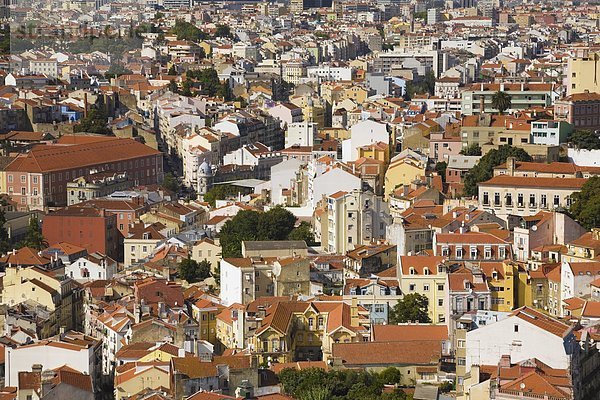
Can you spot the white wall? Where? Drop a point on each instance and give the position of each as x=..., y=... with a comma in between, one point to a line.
x=585, y=158
x=333, y=181
x=231, y=284
x=50, y=357
x=486, y=345
x=281, y=176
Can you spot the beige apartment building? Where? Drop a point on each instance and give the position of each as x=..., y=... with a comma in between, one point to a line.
x=506, y=195
x=581, y=73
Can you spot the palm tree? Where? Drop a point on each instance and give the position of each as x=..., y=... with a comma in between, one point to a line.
x=501, y=101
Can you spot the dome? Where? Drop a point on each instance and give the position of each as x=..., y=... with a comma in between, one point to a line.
x=205, y=169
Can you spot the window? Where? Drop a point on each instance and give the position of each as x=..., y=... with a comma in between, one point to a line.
x=516, y=328
x=501, y=252
x=441, y=318
x=412, y=287
x=556, y=200
x=10, y=179
x=320, y=322
x=426, y=287
x=543, y=201
x=35, y=179
x=311, y=322
x=22, y=191
x=461, y=344
x=487, y=253
x=412, y=271
x=440, y=287
x=473, y=252
x=23, y=178
x=520, y=200
x=440, y=302
x=426, y=271
x=486, y=198
x=459, y=252
x=496, y=199
x=461, y=361
x=532, y=200
x=509, y=199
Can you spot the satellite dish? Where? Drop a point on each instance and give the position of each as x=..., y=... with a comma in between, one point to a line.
x=534, y=228
x=522, y=386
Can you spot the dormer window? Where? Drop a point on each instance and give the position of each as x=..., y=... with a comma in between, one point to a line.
x=468, y=285
x=426, y=271
x=459, y=252
x=412, y=271
x=473, y=252
x=487, y=252
x=495, y=275
x=445, y=251
x=502, y=252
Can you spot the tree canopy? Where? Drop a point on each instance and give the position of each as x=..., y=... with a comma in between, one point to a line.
x=303, y=232
x=170, y=182
x=412, y=307
x=585, y=140
x=471, y=150
x=440, y=168
x=275, y=224
x=194, y=271
x=349, y=384
x=585, y=206
x=4, y=239
x=187, y=31
x=484, y=170
x=34, y=238
x=219, y=192
x=95, y=122
x=501, y=101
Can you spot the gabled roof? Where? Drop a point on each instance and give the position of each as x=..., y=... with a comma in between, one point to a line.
x=542, y=321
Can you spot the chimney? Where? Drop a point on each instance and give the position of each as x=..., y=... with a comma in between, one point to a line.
x=354, y=313
x=510, y=166
x=504, y=361
x=85, y=104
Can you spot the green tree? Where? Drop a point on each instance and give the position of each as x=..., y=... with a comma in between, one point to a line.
x=348, y=384
x=413, y=307
x=223, y=31
x=275, y=224
x=173, y=86
x=585, y=205
x=170, y=182
x=484, y=170
x=4, y=239
x=34, y=238
x=187, y=31
x=172, y=70
x=390, y=376
x=194, y=271
x=440, y=168
x=219, y=192
x=585, y=140
x=471, y=150
x=239, y=228
x=303, y=232
x=501, y=101
x=96, y=121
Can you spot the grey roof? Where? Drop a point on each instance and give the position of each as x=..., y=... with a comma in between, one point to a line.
x=425, y=392
x=247, y=183
x=274, y=244
x=463, y=162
